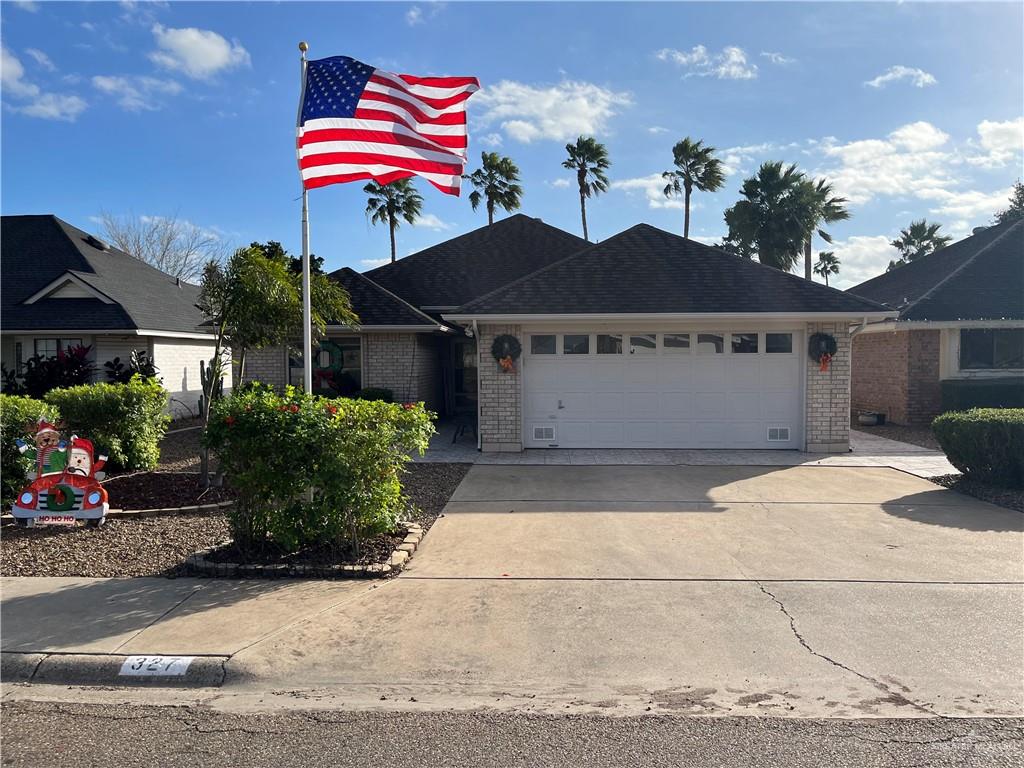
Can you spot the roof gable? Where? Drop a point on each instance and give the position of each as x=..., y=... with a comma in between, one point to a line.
x=456, y=271
x=978, y=278
x=377, y=306
x=42, y=251
x=646, y=270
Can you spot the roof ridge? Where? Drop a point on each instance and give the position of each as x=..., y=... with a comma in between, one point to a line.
x=390, y=294
x=965, y=263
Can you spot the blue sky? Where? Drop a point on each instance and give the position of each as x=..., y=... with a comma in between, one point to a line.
x=912, y=110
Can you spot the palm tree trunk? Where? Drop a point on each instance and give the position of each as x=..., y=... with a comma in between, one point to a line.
x=392, y=222
x=807, y=258
x=490, y=211
x=686, y=206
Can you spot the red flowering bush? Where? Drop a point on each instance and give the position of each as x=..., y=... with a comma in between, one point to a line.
x=275, y=448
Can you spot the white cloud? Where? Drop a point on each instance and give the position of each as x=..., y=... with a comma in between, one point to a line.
x=371, y=263
x=653, y=188
x=559, y=183
x=27, y=5
x=861, y=257
x=657, y=129
x=730, y=64
x=430, y=221
x=917, y=77
x=777, y=58
x=198, y=53
x=560, y=112
x=414, y=16
x=136, y=93
x=41, y=59
x=741, y=159
x=491, y=140
x=1002, y=143
x=36, y=102
x=970, y=204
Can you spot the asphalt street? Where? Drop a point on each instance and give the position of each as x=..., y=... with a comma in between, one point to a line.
x=40, y=735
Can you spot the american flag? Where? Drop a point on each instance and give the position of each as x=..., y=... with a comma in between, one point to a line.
x=359, y=122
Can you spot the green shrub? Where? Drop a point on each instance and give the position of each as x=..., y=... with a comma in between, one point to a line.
x=985, y=443
x=272, y=448
x=18, y=417
x=124, y=421
x=375, y=393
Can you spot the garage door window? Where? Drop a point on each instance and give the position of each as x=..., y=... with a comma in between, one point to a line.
x=576, y=344
x=543, y=345
x=778, y=343
x=675, y=343
x=710, y=343
x=744, y=343
x=609, y=343
x=643, y=344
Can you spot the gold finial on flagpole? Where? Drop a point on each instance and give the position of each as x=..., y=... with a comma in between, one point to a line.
x=303, y=46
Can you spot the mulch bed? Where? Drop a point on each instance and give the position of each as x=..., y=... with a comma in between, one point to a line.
x=179, y=452
x=152, y=490
x=920, y=436
x=1011, y=498
x=158, y=546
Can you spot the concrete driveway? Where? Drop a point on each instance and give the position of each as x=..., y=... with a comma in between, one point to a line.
x=808, y=591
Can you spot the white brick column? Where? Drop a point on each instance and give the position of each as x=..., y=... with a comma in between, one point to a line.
x=500, y=394
x=828, y=394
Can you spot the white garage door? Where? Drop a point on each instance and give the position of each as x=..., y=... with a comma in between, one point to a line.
x=685, y=389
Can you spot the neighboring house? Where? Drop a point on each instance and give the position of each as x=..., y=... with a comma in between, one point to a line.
x=646, y=340
x=959, y=339
x=62, y=287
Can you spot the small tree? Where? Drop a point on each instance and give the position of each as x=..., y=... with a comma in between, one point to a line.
x=696, y=168
x=172, y=245
x=589, y=159
x=828, y=264
x=496, y=181
x=916, y=241
x=1016, y=210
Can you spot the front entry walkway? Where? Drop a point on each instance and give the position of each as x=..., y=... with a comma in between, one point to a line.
x=865, y=451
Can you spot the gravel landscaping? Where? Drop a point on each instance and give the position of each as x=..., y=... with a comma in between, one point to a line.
x=152, y=490
x=158, y=546
x=179, y=451
x=921, y=436
x=1011, y=498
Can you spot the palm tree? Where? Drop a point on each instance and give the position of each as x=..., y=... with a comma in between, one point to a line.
x=590, y=160
x=771, y=219
x=390, y=202
x=496, y=181
x=824, y=208
x=828, y=264
x=917, y=240
x=696, y=167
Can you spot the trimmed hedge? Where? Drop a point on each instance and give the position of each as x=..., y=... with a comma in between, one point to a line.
x=18, y=417
x=124, y=421
x=375, y=393
x=985, y=443
x=1000, y=392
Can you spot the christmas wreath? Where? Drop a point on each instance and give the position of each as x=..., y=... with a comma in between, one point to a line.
x=506, y=350
x=822, y=348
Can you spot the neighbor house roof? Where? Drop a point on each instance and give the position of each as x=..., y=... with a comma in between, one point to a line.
x=42, y=252
x=978, y=278
x=461, y=269
x=645, y=270
x=377, y=306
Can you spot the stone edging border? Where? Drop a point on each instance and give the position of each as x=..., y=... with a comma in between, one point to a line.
x=198, y=563
x=136, y=514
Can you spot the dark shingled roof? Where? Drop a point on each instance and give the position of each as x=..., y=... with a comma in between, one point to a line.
x=376, y=305
x=461, y=269
x=36, y=250
x=648, y=270
x=978, y=278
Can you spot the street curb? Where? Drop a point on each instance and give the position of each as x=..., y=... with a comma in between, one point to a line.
x=105, y=670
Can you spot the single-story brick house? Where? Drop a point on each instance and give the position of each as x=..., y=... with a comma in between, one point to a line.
x=958, y=341
x=645, y=340
x=61, y=287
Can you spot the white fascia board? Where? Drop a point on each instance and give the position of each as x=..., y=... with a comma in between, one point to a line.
x=917, y=325
x=440, y=308
x=387, y=328
x=107, y=332
x=67, y=277
x=674, y=316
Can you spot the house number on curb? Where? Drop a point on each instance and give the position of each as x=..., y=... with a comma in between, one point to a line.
x=165, y=666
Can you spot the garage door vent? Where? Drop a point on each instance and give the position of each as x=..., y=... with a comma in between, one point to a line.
x=544, y=433
x=778, y=434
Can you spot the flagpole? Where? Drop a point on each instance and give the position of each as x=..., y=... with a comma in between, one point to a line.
x=307, y=311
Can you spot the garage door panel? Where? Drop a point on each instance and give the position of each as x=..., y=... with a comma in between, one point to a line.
x=606, y=376
x=674, y=374
x=745, y=433
x=709, y=373
x=782, y=372
x=642, y=405
x=744, y=373
x=675, y=405
x=744, y=405
x=608, y=434
x=608, y=402
x=542, y=403
x=709, y=404
x=642, y=433
x=641, y=373
x=576, y=405
x=778, y=405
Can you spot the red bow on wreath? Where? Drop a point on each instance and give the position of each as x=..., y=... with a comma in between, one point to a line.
x=507, y=364
x=826, y=358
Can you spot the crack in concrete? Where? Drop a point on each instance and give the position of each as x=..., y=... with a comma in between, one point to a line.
x=892, y=695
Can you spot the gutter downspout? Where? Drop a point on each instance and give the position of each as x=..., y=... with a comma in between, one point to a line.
x=479, y=436
x=860, y=328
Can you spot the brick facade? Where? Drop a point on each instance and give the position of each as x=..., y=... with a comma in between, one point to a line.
x=406, y=363
x=828, y=394
x=500, y=395
x=269, y=365
x=897, y=373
